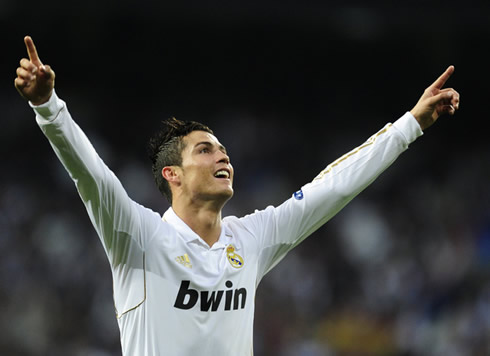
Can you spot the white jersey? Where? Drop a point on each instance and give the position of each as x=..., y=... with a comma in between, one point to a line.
x=174, y=295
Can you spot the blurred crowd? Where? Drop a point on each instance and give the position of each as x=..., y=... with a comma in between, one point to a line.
x=404, y=269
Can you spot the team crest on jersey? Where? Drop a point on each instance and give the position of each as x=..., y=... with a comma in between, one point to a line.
x=235, y=259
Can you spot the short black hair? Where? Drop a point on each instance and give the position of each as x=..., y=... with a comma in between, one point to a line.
x=166, y=146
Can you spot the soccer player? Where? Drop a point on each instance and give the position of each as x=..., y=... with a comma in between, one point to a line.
x=185, y=282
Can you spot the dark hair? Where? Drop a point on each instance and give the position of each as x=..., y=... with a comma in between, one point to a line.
x=166, y=146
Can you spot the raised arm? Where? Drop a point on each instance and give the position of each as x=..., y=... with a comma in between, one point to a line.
x=116, y=218
x=309, y=208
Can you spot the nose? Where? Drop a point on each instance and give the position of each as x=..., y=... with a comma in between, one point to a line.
x=223, y=158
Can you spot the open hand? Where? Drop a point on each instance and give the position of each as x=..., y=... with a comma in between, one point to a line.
x=35, y=81
x=436, y=101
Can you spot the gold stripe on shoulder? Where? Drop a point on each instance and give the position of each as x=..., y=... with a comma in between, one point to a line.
x=369, y=142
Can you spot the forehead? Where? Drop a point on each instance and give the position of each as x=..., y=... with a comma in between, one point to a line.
x=196, y=137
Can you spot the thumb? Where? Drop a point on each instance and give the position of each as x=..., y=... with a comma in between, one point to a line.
x=443, y=96
x=46, y=72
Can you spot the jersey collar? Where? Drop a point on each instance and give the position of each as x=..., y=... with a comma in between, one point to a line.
x=190, y=236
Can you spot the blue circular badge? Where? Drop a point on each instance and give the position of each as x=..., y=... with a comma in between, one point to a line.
x=298, y=195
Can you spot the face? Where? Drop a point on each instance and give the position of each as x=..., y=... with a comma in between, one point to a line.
x=206, y=172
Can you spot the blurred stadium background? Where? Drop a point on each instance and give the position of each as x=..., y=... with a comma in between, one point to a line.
x=288, y=87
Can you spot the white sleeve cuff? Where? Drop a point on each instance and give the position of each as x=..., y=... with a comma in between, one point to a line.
x=409, y=127
x=49, y=110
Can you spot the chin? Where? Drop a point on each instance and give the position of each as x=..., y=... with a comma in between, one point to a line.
x=227, y=194
x=219, y=197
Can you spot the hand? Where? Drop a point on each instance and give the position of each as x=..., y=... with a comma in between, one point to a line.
x=436, y=101
x=35, y=81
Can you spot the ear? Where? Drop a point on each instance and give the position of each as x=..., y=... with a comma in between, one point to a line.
x=170, y=174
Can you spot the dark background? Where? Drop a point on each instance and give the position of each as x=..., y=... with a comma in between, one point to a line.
x=287, y=87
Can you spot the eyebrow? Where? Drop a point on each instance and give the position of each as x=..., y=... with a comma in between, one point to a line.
x=207, y=143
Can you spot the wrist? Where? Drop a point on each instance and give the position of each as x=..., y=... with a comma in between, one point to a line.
x=49, y=110
x=419, y=117
x=42, y=100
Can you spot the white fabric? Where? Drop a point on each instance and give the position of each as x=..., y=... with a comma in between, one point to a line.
x=154, y=258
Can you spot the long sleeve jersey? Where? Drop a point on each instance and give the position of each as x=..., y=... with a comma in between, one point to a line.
x=174, y=294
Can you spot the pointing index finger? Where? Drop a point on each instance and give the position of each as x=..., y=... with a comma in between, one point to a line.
x=439, y=83
x=31, y=50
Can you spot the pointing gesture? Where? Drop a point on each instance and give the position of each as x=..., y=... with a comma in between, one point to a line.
x=35, y=81
x=436, y=101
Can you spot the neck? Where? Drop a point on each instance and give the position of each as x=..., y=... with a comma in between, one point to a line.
x=203, y=219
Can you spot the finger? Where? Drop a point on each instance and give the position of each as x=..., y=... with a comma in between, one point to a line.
x=27, y=65
x=448, y=109
x=441, y=97
x=446, y=90
x=31, y=50
x=47, y=72
x=24, y=74
x=439, y=83
x=455, y=100
x=20, y=83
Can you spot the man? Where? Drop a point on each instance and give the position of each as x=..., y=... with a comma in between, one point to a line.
x=184, y=283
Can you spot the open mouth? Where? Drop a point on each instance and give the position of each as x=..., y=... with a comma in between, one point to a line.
x=222, y=174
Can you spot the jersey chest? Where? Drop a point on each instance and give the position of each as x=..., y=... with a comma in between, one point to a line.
x=198, y=277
